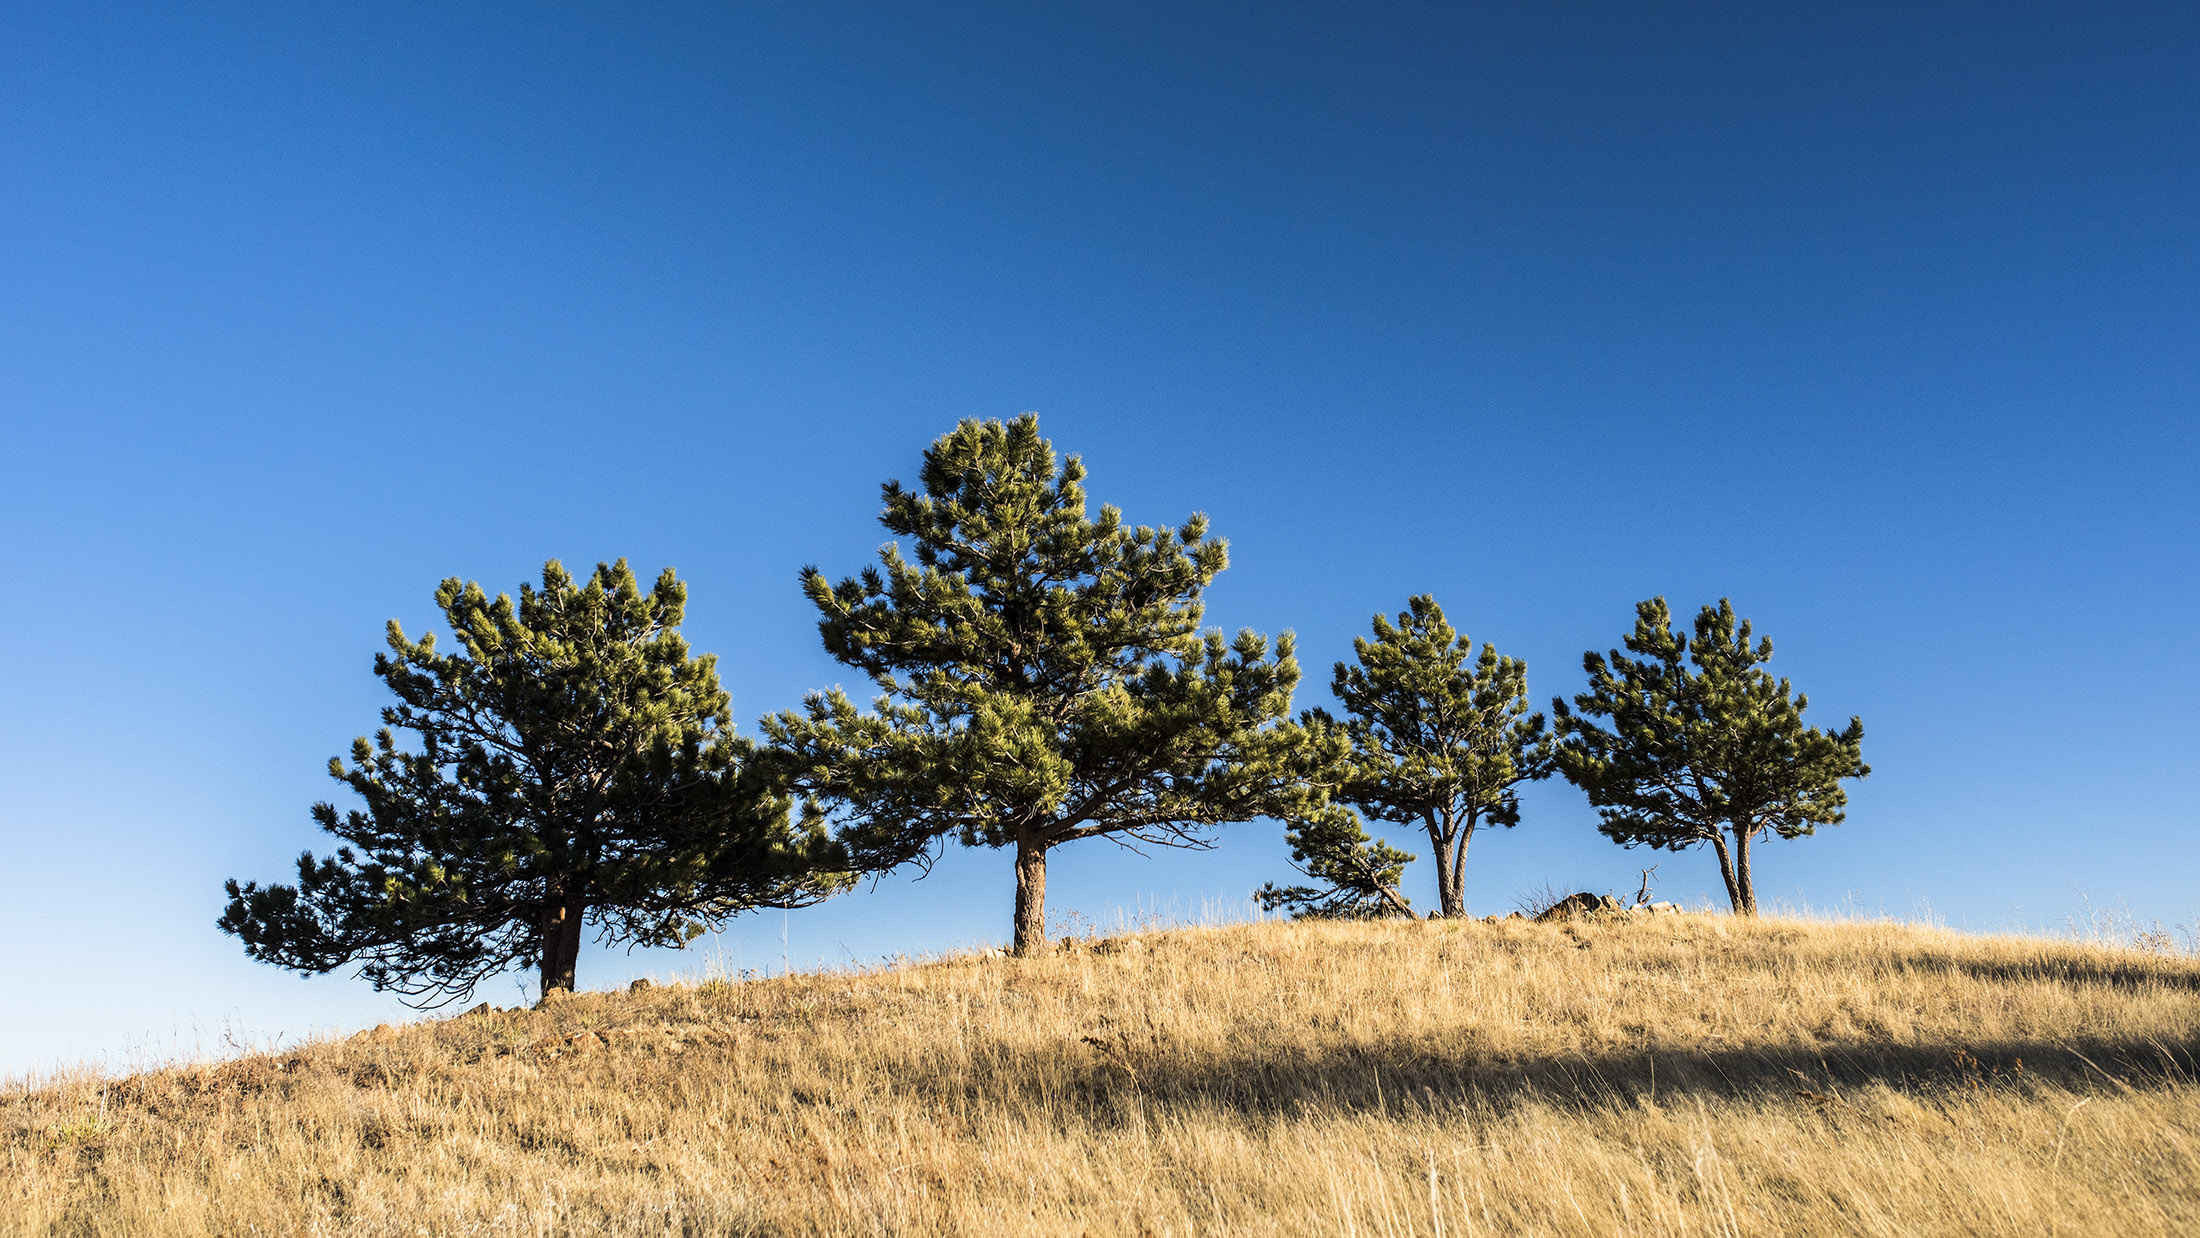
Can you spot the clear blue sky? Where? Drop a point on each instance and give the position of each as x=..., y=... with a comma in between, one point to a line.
x=1883, y=321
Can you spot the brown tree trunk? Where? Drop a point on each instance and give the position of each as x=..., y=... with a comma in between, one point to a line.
x=1453, y=893
x=1397, y=902
x=561, y=940
x=1031, y=895
x=1745, y=903
x=1439, y=841
x=1449, y=841
x=1726, y=872
x=1445, y=877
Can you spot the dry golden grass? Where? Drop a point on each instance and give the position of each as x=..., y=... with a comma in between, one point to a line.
x=1676, y=1075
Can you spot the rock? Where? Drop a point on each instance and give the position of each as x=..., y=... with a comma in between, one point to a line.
x=1582, y=904
x=1119, y=945
x=483, y=1008
x=640, y=986
x=378, y=1033
x=1658, y=909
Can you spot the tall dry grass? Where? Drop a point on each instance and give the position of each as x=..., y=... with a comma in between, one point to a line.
x=1684, y=1075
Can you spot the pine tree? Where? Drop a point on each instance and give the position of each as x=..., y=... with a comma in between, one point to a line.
x=1042, y=676
x=1702, y=745
x=1440, y=739
x=573, y=764
x=1359, y=874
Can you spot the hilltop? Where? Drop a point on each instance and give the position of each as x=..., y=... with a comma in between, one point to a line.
x=1647, y=1075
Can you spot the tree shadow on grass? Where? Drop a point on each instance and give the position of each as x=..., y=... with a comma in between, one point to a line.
x=1382, y=1077
x=2180, y=975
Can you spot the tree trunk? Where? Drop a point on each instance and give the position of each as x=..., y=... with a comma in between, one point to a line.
x=1453, y=893
x=1031, y=895
x=1446, y=878
x=1448, y=839
x=1726, y=872
x=1397, y=902
x=561, y=939
x=1745, y=902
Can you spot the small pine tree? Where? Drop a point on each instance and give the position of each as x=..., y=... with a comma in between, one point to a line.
x=1702, y=745
x=1359, y=874
x=573, y=764
x=1042, y=675
x=1440, y=739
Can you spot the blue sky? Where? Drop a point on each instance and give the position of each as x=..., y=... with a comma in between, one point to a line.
x=1883, y=322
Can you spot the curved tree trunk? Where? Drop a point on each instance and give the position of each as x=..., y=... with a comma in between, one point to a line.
x=1726, y=873
x=1031, y=895
x=1390, y=895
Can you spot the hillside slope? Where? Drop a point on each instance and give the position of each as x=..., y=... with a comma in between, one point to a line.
x=1668, y=1075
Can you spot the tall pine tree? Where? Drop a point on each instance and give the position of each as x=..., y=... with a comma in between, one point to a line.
x=1043, y=677
x=572, y=764
x=1702, y=745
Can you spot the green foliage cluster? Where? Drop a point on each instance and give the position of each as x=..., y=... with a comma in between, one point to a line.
x=1042, y=676
x=1358, y=874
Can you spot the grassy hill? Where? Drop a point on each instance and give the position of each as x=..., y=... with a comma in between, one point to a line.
x=1650, y=1076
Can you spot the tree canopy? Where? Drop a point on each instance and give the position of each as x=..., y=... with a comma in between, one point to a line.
x=1702, y=745
x=573, y=763
x=1042, y=676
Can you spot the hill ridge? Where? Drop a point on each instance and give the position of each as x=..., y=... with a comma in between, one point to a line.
x=1673, y=1074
